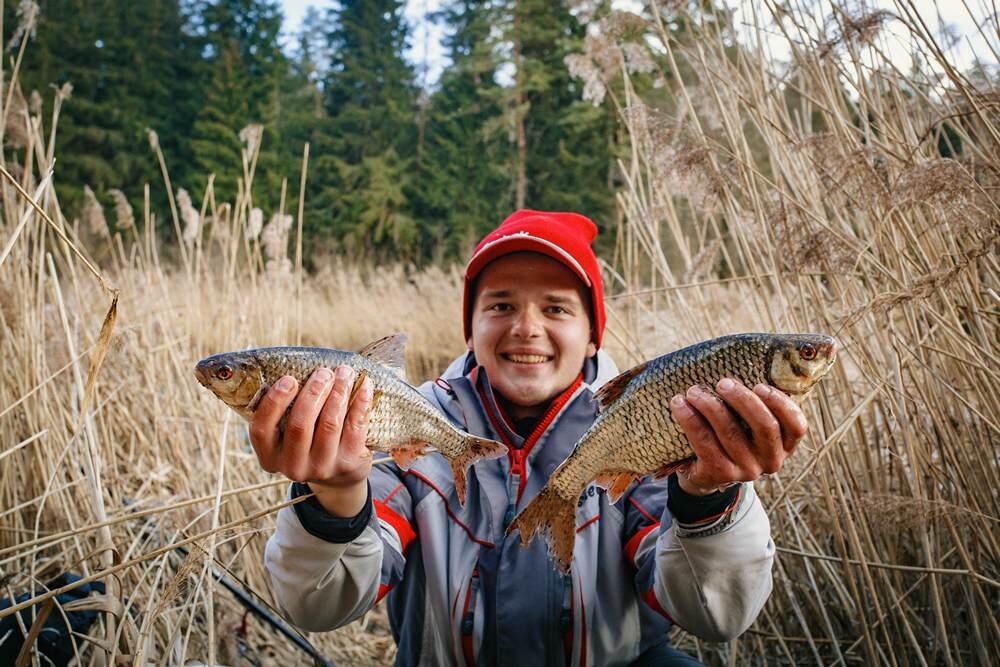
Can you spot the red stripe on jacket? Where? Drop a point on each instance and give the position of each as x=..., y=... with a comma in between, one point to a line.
x=633, y=544
x=650, y=598
x=402, y=527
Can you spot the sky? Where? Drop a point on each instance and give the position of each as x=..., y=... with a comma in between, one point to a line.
x=426, y=50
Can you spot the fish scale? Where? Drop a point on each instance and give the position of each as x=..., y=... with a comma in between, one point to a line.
x=635, y=434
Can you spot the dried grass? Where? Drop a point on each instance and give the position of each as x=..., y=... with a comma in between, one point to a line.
x=833, y=211
x=785, y=212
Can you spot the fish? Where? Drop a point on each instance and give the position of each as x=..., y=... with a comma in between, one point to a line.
x=402, y=422
x=634, y=434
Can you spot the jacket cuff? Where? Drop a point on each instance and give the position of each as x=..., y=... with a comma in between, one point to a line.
x=320, y=523
x=690, y=511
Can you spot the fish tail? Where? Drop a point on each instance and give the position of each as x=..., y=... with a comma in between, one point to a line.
x=473, y=449
x=555, y=518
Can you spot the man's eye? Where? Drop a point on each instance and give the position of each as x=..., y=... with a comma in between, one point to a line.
x=558, y=310
x=500, y=307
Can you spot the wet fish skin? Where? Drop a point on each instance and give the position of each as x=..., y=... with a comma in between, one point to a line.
x=402, y=422
x=635, y=435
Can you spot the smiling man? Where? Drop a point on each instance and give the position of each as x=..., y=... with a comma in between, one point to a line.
x=693, y=549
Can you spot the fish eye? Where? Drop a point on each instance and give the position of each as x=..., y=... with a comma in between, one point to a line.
x=807, y=352
x=224, y=372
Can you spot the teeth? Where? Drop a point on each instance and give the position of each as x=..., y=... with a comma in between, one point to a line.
x=527, y=358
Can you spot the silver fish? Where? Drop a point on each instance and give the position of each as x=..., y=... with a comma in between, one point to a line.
x=402, y=422
x=635, y=434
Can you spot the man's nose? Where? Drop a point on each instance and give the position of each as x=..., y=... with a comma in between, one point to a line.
x=528, y=323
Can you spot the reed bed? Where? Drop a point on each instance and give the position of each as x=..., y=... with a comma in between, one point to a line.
x=811, y=199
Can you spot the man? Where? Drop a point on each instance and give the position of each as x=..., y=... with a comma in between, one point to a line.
x=693, y=549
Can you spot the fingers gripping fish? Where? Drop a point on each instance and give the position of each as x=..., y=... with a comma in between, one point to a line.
x=402, y=422
x=635, y=435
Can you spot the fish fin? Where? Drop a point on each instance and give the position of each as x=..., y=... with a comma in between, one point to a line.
x=405, y=455
x=388, y=351
x=555, y=519
x=474, y=449
x=671, y=468
x=615, y=483
x=613, y=388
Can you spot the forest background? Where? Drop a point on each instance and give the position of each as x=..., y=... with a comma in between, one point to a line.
x=396, y=170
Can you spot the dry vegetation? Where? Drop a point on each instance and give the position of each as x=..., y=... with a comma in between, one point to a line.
x=760, y=202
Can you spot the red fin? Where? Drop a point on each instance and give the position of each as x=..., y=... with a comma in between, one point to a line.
x=389, y=352
x=405, y=455
x=553, y=517
x=666, y=470
x=616, y=483
x=613, y=388
x=474, y=449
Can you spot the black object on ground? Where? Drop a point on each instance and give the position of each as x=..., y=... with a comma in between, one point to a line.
x=54, y=642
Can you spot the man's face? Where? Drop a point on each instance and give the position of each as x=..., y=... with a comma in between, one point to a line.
x=531, y=329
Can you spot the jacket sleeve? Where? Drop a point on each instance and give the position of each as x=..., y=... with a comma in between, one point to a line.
x=322, y=582
x=706, y=565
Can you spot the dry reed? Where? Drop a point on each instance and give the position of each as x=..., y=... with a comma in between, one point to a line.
x=751, y=201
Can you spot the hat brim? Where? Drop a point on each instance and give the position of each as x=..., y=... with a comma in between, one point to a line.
x=524, y=242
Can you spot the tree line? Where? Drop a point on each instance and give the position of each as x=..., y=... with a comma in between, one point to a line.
x=396, y=170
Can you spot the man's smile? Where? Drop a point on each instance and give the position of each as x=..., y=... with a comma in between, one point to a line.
x=526, y=358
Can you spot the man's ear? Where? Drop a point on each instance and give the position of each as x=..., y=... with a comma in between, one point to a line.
x=591, y=349
x=468, y=344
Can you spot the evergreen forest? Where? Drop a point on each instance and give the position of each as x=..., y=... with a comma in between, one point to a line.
x=397, y=169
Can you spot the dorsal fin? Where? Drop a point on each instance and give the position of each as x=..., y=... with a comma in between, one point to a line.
x=613, y=388
x=388, y=351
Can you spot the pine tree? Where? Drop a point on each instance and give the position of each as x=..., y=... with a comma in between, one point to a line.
x=243, y=71
x=128, y=65
x=562, y=145
x=464, y=186
x=370, y=99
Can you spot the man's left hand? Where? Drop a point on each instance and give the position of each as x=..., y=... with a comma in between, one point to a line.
x=725, y=452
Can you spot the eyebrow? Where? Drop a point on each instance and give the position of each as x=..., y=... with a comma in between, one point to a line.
x=506, y=293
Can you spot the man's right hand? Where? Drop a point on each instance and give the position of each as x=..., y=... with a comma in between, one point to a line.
x=323, y=443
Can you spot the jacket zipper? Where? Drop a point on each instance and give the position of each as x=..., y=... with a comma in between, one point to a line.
x=515, y=484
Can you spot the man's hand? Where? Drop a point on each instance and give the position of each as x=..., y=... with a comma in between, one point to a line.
x=323, y=443
x=725, y=452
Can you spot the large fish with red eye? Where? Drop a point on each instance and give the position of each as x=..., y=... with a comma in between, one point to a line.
x=635, y=434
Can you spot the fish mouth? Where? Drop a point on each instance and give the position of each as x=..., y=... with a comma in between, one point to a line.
x=201, y=374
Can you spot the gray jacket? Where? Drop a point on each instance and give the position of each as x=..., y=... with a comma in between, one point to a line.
x=460, y=592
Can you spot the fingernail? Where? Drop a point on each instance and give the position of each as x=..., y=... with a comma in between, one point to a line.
x=725, y=384
x=677, y=401
x=694, y=392
x=344, y=372
x=367, y=389
x=285, y=384
x=324, y=375
x=762, y=390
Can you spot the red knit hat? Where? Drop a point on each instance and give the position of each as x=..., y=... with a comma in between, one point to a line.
x=565, y=237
